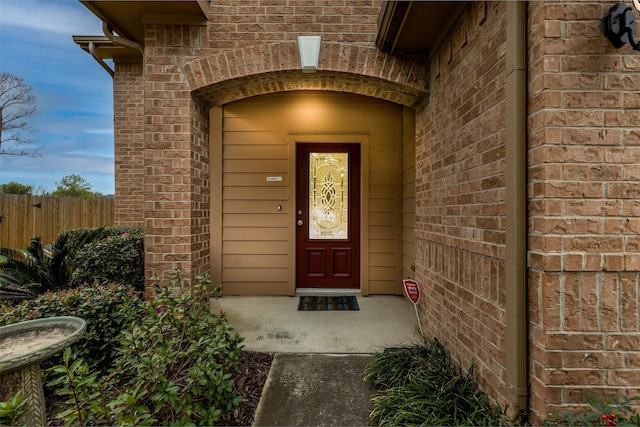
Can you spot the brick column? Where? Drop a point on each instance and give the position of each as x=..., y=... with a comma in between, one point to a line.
x=176, y=161
x=128, y=106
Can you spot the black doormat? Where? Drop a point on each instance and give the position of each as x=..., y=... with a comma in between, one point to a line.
x=328, y=303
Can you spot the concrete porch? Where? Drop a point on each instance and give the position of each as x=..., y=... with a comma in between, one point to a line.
x=274, y=324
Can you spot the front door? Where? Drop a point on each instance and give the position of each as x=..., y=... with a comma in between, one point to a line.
x=327, y=215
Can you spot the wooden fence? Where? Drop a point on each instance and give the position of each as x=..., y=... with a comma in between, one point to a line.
x=24, y=217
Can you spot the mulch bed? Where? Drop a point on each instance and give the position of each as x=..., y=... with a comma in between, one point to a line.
x=248, y=383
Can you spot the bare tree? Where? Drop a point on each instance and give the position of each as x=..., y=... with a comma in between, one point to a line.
x=17, y=104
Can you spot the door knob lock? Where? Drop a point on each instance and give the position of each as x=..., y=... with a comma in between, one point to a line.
x=300, y=223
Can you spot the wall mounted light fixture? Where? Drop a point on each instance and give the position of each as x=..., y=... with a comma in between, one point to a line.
x=309, y=49
x=619, y=26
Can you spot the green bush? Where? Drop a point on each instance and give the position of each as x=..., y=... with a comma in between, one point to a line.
x=174, y=367
x=421, y=385
x=106, y=309
x=118, y=257
x=25, y=274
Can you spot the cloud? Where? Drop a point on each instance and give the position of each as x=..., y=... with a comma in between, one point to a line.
x=74, y=121
x=52, y=16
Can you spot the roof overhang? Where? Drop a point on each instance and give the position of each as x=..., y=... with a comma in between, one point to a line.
x=104, y=48
x=415, y=27
x=128, y=17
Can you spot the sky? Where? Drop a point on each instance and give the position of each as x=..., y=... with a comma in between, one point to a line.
x=73, y=124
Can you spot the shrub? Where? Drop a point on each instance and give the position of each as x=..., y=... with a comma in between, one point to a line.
x=106, y=309
x=118, y=257
x=25, y=274
x=420, y=385
x=174, y=367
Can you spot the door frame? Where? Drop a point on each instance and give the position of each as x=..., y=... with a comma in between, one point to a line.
x=358, y=138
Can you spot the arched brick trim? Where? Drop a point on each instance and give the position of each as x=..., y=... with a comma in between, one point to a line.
x=236, y=74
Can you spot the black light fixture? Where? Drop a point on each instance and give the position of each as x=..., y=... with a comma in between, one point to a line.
x=37, y=205
x=620, y=26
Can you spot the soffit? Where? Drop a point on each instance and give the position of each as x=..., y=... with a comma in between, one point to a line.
x=415, y=27
x=129, y=16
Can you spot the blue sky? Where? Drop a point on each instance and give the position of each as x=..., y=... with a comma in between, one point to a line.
x=74, y=121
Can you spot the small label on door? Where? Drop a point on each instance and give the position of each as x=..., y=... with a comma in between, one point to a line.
x=274, y=178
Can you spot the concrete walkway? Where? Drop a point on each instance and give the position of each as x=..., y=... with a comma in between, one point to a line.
x=316, y=378
x=274, y=324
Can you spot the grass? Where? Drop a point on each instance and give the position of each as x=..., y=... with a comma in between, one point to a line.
x=419, y=384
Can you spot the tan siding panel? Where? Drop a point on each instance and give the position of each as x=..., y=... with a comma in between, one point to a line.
x=257, y=132
x=250, y=152
x=255, y=248
x=255, y=193
x=377, y=218
x=271, y=166
x=244, y=179
x=384, y=273
x=382, y=246
x=250, y=233
x=254, y=274
x=251, y=261
x=255, y=206
x=387, y=232
x=382, y=205
x=254, y=138
x=383, y=191
x=254, y=220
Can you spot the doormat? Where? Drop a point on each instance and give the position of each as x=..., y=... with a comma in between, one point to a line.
x=328, y=303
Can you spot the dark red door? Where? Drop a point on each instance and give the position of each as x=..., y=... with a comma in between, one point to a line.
x=327, y=215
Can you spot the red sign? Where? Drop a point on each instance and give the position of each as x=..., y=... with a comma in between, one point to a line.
x=412, y=290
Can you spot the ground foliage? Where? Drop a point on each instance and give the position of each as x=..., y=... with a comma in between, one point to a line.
x=173, y=366
x=420, y=384
x=77, y=257
x=166, y=361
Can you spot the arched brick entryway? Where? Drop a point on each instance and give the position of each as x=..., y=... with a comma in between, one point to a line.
x=236, y=74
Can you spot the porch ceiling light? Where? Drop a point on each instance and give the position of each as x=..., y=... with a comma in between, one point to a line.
x=309, y=48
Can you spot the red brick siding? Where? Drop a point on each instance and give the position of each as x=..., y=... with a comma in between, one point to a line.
x=128, y=97
x=460, y=223
x=583, y=208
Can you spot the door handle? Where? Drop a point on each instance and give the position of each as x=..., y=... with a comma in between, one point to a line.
x=300, y=223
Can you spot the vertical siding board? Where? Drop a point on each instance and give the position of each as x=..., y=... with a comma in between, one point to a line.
x=23, y=221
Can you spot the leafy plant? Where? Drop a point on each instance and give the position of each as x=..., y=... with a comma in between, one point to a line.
x=25, y=274
x=85, y=396
x=112, y=259
x=173, y=365
x=614, y=412
x=419, y=384
x=11, y=412
x=182, y=355
x=107, y=310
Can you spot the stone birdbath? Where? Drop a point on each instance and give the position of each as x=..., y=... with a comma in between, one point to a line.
x=22, y=347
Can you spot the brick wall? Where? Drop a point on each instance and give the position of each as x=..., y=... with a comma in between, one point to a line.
x=162, y=137
x=584, y=230
x=176, y=160
x=460, y=223
x=128, y=106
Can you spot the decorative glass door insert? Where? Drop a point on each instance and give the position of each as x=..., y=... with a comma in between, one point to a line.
x=328, y=196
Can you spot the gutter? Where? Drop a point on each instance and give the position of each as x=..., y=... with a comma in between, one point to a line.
x=107, y=29
x=516, y=210
x=94, y=54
